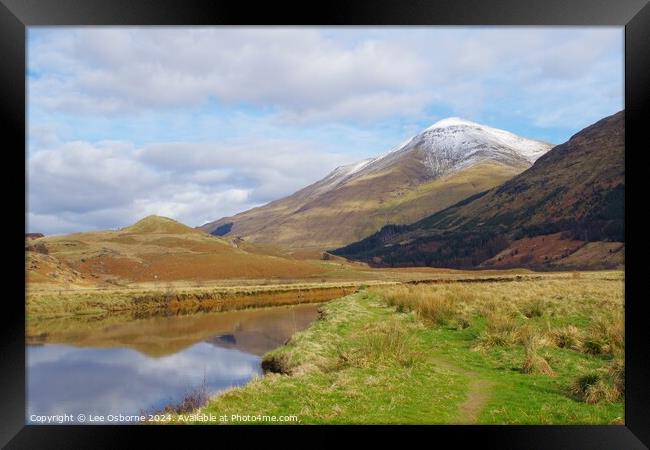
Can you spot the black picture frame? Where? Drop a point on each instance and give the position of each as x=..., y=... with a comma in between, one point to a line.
x=634, y=15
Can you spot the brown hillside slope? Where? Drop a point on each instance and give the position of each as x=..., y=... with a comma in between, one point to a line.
x=362, y=207
x=432, y=171
x=154, y=249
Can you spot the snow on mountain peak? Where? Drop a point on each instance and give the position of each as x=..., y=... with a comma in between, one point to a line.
x=447, y=146
x=354, y=167
x=472, y=132
x=452, y=121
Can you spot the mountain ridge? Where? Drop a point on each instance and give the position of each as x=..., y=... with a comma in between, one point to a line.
x=574, y=193
x=444, y=163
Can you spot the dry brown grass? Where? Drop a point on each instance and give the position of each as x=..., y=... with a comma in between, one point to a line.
x=583, y=312
x=380, y=344
x=534, y=363
x=606, y=334
x=158, y=249
x=515, y=310
x=567, y=337
x=172, y=299
x=607, y=384
x=438, y=307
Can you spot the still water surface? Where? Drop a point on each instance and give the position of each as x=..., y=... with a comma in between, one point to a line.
x=142, y=365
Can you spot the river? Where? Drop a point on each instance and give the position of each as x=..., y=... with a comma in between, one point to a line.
x=111, y=367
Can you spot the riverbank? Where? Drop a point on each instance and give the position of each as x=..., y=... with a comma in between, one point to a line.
x=546, y=351
x=171, y=300
x=184, y=297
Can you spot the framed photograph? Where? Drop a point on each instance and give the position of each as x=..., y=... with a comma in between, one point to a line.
x=355, y=213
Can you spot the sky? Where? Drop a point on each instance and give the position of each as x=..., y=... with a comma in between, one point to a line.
x=198, y=123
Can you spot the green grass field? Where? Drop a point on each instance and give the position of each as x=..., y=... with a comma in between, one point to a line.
x=525, y=352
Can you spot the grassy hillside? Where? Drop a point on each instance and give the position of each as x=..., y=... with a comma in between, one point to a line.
x=357, y=209
x=155, y=249
x=572, y=196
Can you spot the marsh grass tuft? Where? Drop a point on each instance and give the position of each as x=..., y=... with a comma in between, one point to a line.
x=533, y=308
x=430, y=306
x=487, y=340
x=606, y=334
x=381, y=344
x=567, y=337
x=595, y=387
x=498, y=322
x=616, y=373
x=501, y=331
x=439, y=311
x=534, y=363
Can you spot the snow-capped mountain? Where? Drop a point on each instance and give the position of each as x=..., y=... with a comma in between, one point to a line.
x=450, y=145
x=566, y=211
x=446, y=162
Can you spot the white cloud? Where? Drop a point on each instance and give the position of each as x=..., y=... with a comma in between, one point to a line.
x=78, y=176
x=309, y=74
x=81, y=185
x=206, y=122
x=118, y=70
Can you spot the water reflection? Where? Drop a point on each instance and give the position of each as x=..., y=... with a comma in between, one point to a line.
x=125, y=368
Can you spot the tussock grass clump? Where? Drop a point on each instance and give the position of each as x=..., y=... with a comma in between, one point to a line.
x=605, y=384
x=593, y=346
x=588, y=387
x=567, y=337
x=606, y=335
x=594, y=387
x=616, y=373
x=439, y=311
x=526, y=334
x=501, y=331
x=381, y=344
x=500, y=322
x=487, y=340
x=398, y=297
x=436, y=307
x=533, y=308
x=534, y=363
